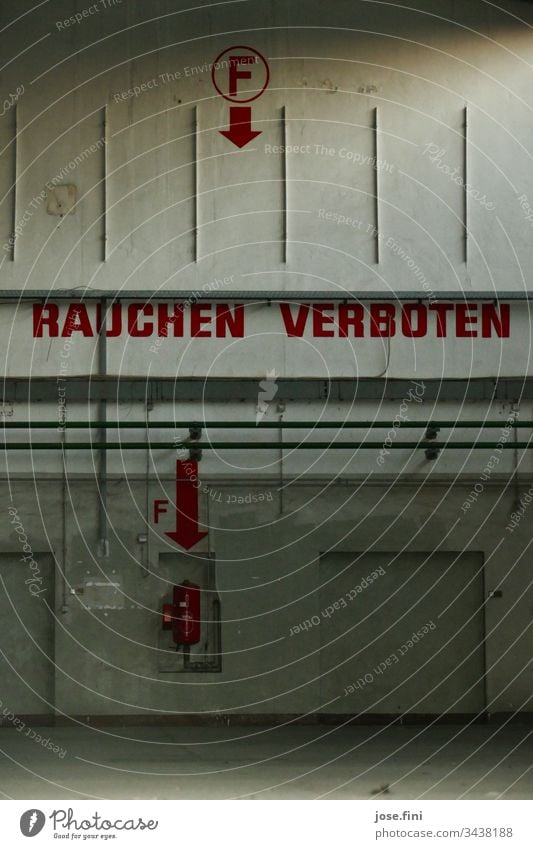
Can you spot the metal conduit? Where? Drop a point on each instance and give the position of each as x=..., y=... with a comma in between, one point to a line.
x=265, y=425
x=266, y=295
x=256, y=446
x=102, y=424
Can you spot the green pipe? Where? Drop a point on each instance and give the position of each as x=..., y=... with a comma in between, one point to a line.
x=257, y=446
x=275, y=425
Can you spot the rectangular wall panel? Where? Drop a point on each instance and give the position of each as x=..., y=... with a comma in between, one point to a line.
x=402, y=633
x=27, y=647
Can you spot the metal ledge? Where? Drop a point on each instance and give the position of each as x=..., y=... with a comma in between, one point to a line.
x=158, y=390
x=263, y=295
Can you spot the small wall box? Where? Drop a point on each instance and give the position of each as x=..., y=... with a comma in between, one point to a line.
x=60, y=200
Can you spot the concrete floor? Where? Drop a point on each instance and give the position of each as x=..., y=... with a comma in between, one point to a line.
x=446, y=762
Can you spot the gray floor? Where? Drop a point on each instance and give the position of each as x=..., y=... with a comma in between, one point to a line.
x=445, y=762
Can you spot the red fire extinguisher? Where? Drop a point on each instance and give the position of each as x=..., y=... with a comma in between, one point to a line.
x=183, y=615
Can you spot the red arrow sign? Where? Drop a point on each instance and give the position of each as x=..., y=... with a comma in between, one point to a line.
x=240, y=126
x=186, y=533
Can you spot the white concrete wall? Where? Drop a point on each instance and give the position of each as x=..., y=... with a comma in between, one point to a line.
x=331, y=67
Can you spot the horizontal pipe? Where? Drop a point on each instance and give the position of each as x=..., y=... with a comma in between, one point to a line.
x=264, y=295
x=295, y=480
x=262, y=425
x=256, y=446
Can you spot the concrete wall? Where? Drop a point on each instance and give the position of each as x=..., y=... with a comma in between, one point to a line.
x=331, y=67
x=269, y=581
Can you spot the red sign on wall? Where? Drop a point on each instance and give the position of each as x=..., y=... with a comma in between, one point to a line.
x=240, y=74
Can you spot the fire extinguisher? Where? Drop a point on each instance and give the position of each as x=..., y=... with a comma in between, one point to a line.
x=183, y=615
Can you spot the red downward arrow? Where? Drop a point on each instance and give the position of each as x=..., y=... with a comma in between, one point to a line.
x=186, y=533
x=240, y=126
